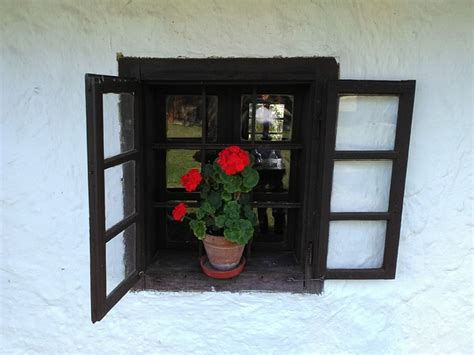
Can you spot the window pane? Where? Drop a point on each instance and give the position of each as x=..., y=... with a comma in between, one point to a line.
x=178, y=162
x=361, y=186
x=183, y=116
x=272, y=224
x=273, y=118
x=120, y=257
x=119, y=184
x=273, y=166
x=356, y=244
x=366, y=122
x=118, y=123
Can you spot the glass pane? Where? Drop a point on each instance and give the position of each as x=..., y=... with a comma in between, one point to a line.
x=356, y=244
x=178, y=162
x=120, y=257
x=272, y=224
x=183, y=116
x=118, y=123
x=366, y=122
x=361, y=186
x=119, y=184
x=274, y=168
x=273, y=118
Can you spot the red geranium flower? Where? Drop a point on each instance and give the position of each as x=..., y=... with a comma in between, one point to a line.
x=191, y=180
x=233, y=160
x=179, y=212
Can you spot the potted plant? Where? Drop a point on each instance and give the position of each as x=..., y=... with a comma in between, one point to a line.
x=224, y=220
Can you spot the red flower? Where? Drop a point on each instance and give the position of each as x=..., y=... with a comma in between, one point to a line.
x=233, y=160
x=191, y=180
x=179, y=212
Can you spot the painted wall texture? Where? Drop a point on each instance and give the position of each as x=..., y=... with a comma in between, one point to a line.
x=47, y=46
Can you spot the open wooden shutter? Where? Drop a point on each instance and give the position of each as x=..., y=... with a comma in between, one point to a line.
x=115, y=193
x=367, y=134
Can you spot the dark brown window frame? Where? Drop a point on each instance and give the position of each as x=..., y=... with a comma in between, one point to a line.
x=313, y=72
x=320, y=76
x=96, y=86
x=405, y=90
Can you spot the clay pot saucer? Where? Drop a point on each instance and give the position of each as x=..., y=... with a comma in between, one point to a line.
x=218, y=274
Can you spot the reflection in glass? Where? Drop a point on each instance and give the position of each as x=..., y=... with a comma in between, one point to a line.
x=273, y=117
x=272, y=224
x=273, y=166
x=119, y=184
x=178, y=162
x=356, y=244
x=120, y=258
x=366, y=122
x=118, y=118
x=184, y=118
x=361, y=186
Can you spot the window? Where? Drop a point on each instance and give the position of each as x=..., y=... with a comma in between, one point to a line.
x=363, y=178
x=332, y=156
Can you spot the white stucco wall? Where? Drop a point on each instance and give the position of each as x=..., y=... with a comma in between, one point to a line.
x=45, y=49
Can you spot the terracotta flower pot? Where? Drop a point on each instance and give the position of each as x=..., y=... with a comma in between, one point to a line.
x=223, y=255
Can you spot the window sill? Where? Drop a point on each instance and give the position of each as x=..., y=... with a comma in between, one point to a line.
x=265, y=272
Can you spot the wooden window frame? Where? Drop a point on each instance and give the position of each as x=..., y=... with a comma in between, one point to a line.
x=313, y=72
x=405, y=90
x=96, y=86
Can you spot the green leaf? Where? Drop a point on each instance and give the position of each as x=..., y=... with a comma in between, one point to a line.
x=229, y=223
x=217, y=177
x=240, y=232
x=199, y=229
x=251, y=180
x=245, y=225
x=233, y=235
x=218, y=170
x=226, y=196
x=208, y=208
x=232, y=183
x=246, y=230
x=247, y=171
x=215, y=199
x=250, y=215
x=220, y=221
x=200, y=213
x=232, y=210
x=245, y=189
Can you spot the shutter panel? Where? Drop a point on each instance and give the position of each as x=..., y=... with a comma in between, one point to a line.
x=114, y=149
x=367, y=136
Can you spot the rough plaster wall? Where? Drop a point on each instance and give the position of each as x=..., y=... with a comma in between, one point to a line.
x=47, y=46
